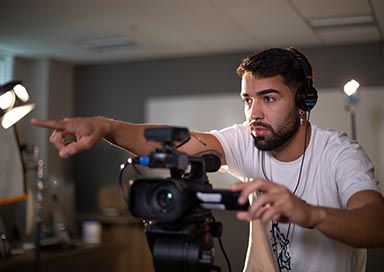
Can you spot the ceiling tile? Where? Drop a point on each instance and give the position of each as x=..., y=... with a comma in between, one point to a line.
x=378, y=6
x=348, y=35
x=272, y=22
x=332, y=8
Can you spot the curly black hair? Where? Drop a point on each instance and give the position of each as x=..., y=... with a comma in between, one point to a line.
x=277, y=61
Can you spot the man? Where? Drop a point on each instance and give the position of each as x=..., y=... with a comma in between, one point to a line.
x=312, y=189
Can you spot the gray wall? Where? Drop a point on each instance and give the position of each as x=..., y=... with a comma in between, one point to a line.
x=50, y=84
x=119, y=90
x=51, y=87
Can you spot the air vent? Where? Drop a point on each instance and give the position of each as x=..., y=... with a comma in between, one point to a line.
x=108, y=43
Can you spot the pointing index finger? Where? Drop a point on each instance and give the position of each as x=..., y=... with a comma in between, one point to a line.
x=53, y=124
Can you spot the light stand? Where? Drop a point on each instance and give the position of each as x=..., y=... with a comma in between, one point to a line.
x=13, y=107
x=352, y=99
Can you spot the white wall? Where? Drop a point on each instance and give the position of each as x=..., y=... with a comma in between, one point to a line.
x=202, y=113
x=213, y=112
x=330, y=112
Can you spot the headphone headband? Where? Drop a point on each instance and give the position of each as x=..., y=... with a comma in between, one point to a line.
x=306, y=95
x=304, y=63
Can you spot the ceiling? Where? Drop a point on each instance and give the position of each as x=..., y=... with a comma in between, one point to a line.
x=89, y=31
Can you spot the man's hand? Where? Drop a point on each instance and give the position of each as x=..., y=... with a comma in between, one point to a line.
x=275, y=202
x=85, y=133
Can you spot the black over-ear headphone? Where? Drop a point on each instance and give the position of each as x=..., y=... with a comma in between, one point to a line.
x=306, y=94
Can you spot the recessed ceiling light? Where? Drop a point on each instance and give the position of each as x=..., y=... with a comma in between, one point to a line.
x=107, y=43
x=341, y=21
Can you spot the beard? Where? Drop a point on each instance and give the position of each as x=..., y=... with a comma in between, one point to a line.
x=284, y=132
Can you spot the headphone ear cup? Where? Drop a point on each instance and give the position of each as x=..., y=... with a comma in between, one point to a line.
x=306, y=97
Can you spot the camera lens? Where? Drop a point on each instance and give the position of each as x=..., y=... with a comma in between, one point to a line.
x=165, y=199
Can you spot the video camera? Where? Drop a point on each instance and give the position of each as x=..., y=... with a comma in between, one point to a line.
x=176, y=210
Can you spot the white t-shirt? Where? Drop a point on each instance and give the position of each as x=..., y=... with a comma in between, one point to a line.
x=334, y=168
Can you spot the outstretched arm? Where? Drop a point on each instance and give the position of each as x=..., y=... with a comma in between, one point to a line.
x=88, y=132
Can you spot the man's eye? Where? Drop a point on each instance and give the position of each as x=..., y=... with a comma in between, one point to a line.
x=247, y=100
x=268, y=99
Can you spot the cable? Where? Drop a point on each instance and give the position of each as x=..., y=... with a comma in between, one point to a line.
x=223, y=249
x=122, y=168
x=225, y=254
x=297, y=183
x=121, y=185
x=183, y=142
x=302, y=162
x=302, y=158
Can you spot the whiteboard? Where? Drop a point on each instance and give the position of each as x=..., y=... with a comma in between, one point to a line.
x=208, y=112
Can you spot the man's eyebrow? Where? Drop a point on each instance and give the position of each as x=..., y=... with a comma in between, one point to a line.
x=260, y=93
x=267, y=91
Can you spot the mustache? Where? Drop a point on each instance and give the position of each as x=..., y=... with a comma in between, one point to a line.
x=258, y=123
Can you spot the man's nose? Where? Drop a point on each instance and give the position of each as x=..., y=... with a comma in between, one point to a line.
x=257, y=111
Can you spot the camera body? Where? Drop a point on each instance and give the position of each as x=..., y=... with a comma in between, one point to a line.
x=177, y=209
x=164, y=200
x=169, y=200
